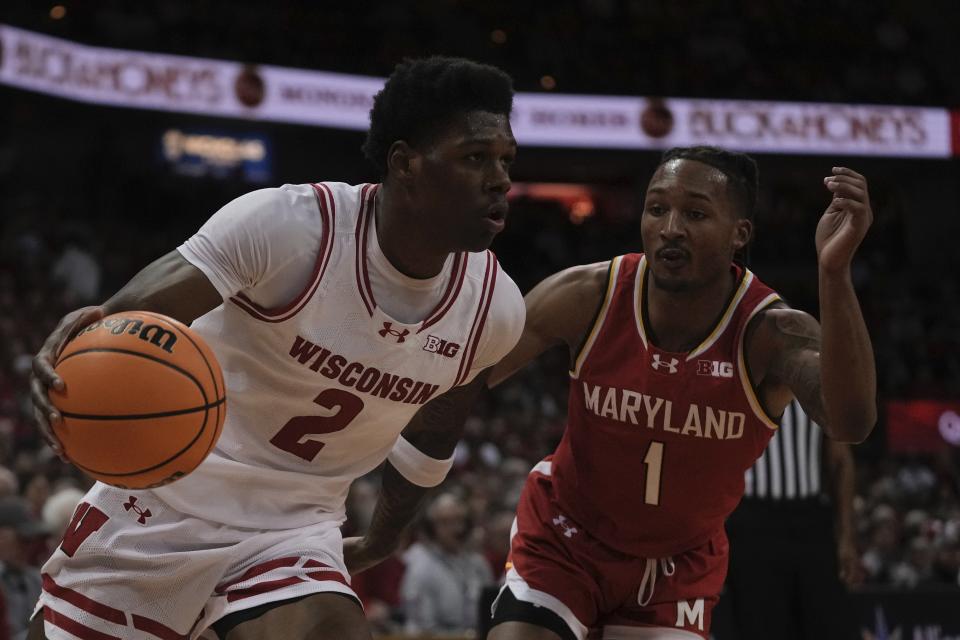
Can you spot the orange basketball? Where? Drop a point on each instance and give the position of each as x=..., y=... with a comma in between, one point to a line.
x=144, y=400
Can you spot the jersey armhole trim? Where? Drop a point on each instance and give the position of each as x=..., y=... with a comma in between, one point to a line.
x=598, y=318
x=473, y=339
x=367, y=211
x=327, y=206
x=457, y=275
x=743, y=368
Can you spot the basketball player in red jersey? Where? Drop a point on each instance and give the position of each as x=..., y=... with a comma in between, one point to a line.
x=681, y=362
x=354, y=324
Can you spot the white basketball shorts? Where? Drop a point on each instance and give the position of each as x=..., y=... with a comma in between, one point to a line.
x=131, y=566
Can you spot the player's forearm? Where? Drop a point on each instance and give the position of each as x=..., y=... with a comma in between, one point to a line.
x=847, y=370
x=169, y=285
x=842, y=488
x=398, y=504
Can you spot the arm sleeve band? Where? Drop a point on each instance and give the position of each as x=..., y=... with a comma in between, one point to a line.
x=416, y=466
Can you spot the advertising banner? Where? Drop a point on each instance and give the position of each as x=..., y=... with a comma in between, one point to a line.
x=115, y=77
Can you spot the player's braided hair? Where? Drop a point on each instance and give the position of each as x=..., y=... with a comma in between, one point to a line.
x=422, y=95
x=743, y=177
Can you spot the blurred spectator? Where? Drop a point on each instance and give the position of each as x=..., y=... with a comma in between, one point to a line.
x=9, y=486
x=77, y=271
x=444, y=579
x=19, y=582
x=59, y=509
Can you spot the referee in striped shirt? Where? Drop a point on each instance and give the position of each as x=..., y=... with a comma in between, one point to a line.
x=792, y=540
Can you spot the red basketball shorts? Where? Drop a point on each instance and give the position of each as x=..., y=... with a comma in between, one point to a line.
x=599, y=592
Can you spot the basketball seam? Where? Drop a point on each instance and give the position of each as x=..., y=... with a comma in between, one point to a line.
x=143, y=416
x=222, y=401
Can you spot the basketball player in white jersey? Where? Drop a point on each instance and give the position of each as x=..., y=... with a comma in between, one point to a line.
x=353, y=324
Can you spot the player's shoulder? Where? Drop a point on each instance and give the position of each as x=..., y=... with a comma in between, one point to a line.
x=580, y=284
x=286, y=202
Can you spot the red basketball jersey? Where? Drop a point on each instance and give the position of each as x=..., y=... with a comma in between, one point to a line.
x=653, y=457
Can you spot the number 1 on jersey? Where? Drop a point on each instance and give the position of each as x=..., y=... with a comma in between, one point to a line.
x=653, y=462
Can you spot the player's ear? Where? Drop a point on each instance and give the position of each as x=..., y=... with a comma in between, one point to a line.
x=742, y=232
x=403, y=162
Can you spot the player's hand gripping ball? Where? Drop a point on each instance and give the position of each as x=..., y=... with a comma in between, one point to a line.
x=143, y=403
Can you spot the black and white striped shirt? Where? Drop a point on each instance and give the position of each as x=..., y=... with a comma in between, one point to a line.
x=789, y=469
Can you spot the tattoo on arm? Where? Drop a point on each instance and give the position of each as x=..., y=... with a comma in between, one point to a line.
x=797, y=364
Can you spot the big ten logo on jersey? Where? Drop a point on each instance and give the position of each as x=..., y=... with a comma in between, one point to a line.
x=441, y=346
x=714, y=368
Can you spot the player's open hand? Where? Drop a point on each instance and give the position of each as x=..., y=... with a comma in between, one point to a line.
x=846, y=220
x=43, y=377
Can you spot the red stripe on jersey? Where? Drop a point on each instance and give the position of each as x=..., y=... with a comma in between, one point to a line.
x=325, y=573
x=360, y=235
x=486, y=295
x=81, y=601
x=259, y=569
x=157, y=629
x=72, y=626
x=327, y=208
x=458, y=272
x=263, y=587
x=483, y=318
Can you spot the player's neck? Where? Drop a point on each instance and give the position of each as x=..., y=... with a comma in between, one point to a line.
x=409, y=249
x=680, y=320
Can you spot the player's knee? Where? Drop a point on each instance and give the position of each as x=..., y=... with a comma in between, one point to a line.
x=343, y=623
x=322, y=616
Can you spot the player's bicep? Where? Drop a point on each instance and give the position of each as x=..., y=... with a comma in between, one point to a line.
x=170, y=285
x=795, y=363
x=559, y=310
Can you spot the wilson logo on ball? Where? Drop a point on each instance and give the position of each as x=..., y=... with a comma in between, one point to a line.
x=153, y=333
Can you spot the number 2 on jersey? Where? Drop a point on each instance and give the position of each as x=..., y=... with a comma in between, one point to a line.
x=653, y=462
x=293, y=436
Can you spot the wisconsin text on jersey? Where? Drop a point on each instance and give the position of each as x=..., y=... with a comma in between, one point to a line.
x=359, y=376
x=624, y=405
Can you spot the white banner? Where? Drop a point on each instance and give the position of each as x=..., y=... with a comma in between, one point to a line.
x=229, y=89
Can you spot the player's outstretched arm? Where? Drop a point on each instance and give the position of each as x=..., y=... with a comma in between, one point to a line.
x=170, y=285
x=434, y=433
x=847, y=368
x=830, y=367
x=559, y=311
x=841, y=474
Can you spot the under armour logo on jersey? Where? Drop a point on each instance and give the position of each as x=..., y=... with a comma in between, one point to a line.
x=561, y=521
x=137, y=509
x=388, y=330
x=672, y=365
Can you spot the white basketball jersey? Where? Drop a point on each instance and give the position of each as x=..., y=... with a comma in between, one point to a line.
x=319, y=390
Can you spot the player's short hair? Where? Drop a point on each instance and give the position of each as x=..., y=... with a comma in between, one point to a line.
x=422, y=95
x=743, y=177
